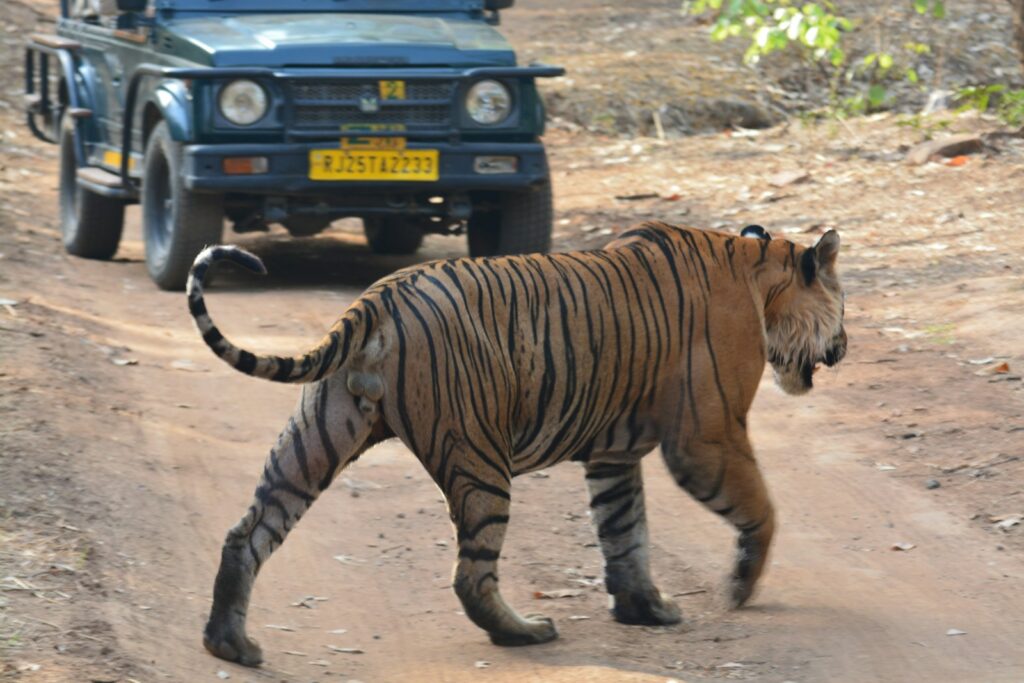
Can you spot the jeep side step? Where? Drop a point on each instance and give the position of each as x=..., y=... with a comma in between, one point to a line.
x=102, y=182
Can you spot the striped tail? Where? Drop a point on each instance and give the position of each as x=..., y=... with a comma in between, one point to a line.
x=315, y=364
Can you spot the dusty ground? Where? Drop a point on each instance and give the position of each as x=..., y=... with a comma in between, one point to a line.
x=117, y=481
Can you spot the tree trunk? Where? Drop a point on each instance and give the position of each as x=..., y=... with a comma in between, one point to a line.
x=1018, y=27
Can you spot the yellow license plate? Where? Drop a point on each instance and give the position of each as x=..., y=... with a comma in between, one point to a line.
x=374, y=164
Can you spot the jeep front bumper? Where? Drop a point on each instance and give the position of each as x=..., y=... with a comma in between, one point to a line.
x=288, y=169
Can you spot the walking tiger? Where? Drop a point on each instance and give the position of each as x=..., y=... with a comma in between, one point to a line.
x=488, y=368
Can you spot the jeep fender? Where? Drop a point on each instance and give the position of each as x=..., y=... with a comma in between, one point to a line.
x=83, y=81
x=174, y=106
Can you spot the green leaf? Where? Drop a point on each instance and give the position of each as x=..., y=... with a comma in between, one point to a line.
x=885, y=61
x=837, y=57
x=876, y=95
x=939, y=9
x=920, y=6
x=912, y=75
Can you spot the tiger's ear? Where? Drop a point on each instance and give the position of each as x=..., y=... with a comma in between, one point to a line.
x=822, y=256
x=755, y=231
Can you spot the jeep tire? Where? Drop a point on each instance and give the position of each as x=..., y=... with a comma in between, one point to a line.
x=90, y=224
x=520, y=224
x=393, y=235
x=176, y=222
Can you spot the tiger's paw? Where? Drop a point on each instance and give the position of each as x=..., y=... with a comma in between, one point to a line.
x=232, y=646
x=648, y=608
x=739, y=592
x=536, y=630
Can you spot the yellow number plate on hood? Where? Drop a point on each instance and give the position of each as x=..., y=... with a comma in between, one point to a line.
x=374, y=164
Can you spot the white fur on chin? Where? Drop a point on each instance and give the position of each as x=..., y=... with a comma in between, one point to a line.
x=791, y=382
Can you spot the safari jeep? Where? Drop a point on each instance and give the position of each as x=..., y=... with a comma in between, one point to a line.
x=409, y=114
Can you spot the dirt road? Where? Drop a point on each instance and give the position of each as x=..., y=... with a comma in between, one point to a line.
x=127, y=450
x=168, y=449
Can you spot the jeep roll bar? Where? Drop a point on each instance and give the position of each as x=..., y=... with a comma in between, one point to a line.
x=44, y=47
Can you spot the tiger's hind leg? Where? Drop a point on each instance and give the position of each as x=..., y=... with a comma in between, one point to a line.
x=726, y=479
x=479, y=505
x=326, y=433
x=618, y=513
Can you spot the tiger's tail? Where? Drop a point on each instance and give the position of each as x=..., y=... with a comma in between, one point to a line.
x=311, y=366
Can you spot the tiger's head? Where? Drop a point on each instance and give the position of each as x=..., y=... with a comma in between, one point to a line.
x=804, y=320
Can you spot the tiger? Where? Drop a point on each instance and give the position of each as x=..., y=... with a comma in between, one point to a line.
x=489, y=368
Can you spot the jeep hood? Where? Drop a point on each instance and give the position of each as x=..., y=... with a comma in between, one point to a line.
x=333, y=39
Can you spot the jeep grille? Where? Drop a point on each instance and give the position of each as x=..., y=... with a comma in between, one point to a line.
x=329, y=104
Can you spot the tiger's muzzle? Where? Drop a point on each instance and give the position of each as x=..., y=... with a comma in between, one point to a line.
x=835, y=353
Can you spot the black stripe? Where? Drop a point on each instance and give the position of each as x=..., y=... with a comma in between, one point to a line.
x=196, y=306
x=488, y=575
x=212, y=336
x=479, y=554
x=751, y=528
x=621, y=490
x=199, y=272
x=284, y=369
x=333, y=460
x=300, y=451
x=328, y=356
x=246, y=362
x=609, y=471
x=490, y=520
x=625, y=553
x=716, y=488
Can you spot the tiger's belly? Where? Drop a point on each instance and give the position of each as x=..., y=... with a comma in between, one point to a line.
x=624, y=441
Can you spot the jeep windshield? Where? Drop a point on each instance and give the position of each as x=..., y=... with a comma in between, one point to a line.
x=295, y=6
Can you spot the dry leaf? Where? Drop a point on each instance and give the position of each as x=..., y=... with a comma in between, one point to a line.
x=786, y=178
x=1009, y=522
x=958, y=161
x=187, y=365
x=561, y=593
x=995, y=369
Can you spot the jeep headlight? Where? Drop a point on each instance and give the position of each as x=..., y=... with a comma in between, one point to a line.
x=243, y=102
x=488, y=102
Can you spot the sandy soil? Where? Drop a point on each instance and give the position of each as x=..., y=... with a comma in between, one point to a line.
x=127, y=450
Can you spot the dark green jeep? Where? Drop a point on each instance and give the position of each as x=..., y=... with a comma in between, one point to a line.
x=409, y=114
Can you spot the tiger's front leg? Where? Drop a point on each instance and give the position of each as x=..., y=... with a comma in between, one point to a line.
x=479, y=508
x=726, y=479
x=618, y=513
x=325, y=434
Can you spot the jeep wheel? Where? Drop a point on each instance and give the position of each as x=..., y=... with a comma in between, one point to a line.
x=90, y=224
x=520, y=225
x=393, y=235
x=176, y=222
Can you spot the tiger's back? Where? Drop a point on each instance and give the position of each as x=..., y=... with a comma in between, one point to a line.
x=568, y=355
